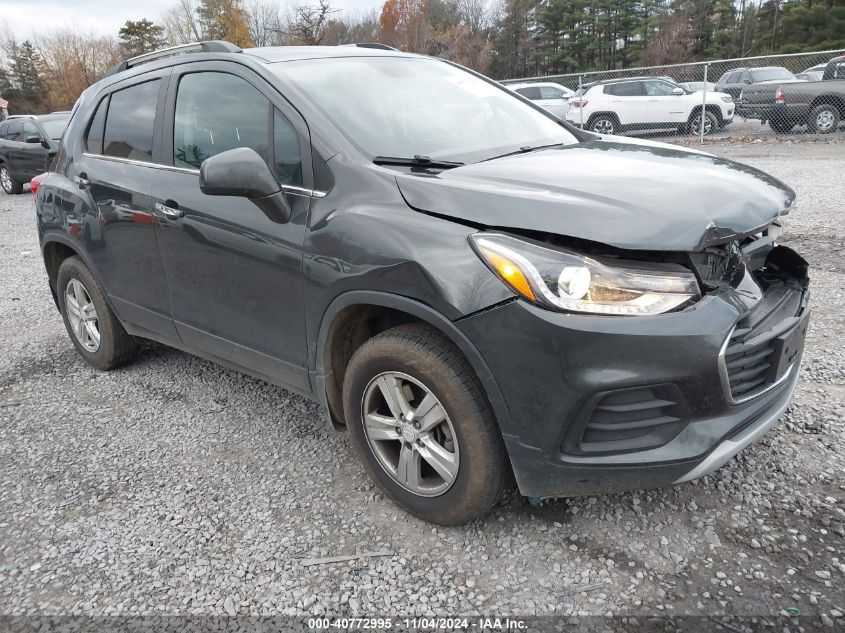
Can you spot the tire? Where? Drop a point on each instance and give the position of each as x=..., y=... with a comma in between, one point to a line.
x=8, y=182
x=604, y=124
x=824, y=119
x=423, y=364
x=114, y=347
x=711, y=122
x=780, y=126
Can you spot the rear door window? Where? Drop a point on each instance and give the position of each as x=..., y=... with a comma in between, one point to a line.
x=130, y=122
x=626, y=89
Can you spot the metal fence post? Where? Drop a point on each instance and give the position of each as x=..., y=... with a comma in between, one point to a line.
x=581, y=98
x=703, y=104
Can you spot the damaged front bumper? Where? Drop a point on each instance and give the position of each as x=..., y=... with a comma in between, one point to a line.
x=604, y=404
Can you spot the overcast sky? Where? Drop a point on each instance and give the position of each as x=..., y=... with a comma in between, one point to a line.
x=22, y=17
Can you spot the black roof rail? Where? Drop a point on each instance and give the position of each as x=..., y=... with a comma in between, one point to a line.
x=377, y=45
x=211, y=46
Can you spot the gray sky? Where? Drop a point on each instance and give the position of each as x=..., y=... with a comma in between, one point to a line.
x=21, y=17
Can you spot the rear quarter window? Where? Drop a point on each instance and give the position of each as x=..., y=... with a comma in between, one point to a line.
x=94, y=136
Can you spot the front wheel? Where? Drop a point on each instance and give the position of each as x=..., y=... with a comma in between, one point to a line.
x=422, y=427
x=824, y=119
x=8, y=182
x=710, y=122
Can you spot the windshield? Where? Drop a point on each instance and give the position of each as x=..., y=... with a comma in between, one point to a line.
x=55, y=127
x=406, y=106
x=769, y=74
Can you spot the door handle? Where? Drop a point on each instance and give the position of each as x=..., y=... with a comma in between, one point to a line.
x=82, y=181
x=171, y=211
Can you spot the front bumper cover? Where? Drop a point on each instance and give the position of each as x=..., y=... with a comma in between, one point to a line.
x=552, y=368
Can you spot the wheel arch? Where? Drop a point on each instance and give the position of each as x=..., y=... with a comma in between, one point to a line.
x=56, y=248
x=833, y=100
x=346, y=320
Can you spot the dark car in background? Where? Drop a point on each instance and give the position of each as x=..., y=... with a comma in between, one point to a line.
x=820, y=105
x=28, y=144
x=735, y=81
x=471, y=287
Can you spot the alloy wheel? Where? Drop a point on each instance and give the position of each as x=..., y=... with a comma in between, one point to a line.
x=82, y=315
x=824, y=120
x=5, y=180
x=603, y=126
x=700, y=120
x=410, y=434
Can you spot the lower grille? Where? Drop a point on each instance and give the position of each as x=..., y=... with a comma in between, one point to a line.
x=750, y=368
x=752, y=356
x=634, y=419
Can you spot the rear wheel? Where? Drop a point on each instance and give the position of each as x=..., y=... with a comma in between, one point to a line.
x=781, y=126
x=604, y=124
x=421, y=426
x=824, y=118
x=8, y=182
x=94, y=329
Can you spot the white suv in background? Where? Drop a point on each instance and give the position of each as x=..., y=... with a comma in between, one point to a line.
x=647, y=103
x=549, y=96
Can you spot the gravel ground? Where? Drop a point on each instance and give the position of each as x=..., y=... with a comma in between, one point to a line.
x=173, y=486
x=750, y=130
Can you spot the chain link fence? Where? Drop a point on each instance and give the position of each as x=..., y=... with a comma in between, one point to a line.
x=744, y=98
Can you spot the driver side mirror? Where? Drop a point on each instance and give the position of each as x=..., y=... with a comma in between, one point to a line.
x=243, y=173
x=678, y=91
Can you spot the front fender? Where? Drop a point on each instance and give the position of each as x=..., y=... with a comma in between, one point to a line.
x=424, y=313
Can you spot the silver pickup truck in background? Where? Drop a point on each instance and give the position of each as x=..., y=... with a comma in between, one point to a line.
x=820, y=105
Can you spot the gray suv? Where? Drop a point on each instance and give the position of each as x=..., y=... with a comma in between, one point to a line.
x=474, y=290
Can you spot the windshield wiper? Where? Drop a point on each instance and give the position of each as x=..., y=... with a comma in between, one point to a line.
x=524, y=150
x=417, y=161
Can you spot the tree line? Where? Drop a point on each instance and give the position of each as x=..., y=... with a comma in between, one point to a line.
x=509, y=38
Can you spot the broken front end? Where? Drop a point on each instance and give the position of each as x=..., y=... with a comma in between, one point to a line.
x=610, y=403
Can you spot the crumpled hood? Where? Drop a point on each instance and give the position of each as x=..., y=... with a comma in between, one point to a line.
x=622, y=192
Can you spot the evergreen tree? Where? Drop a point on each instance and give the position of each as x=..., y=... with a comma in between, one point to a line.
x=138, y=37
x=27, y=87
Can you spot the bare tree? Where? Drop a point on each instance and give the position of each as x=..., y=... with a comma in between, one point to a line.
x=306, y=24
x=475, y=15
x=73, y=61
x=181, y=23
x=264, y=22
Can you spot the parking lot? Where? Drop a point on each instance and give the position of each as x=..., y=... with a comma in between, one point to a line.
x=173, y=486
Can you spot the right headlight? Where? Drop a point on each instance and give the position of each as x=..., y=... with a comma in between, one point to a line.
x=566, y=281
